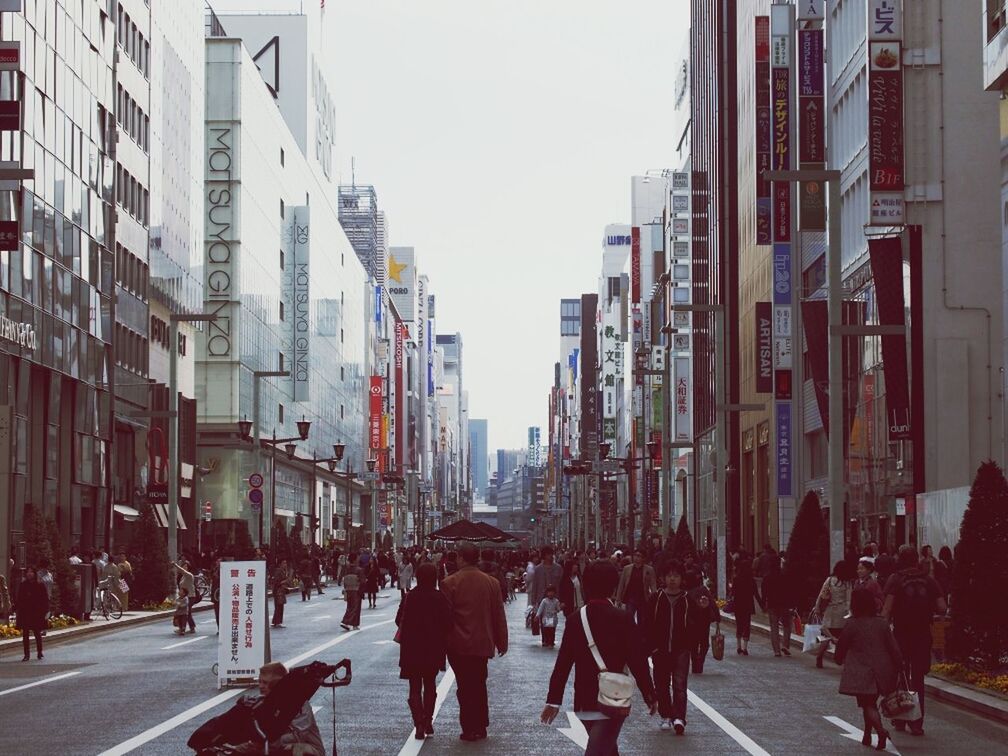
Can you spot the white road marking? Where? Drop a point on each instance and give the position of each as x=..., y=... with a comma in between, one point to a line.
x=576, y=731
x=179, y=719
x=208, y=622
x=185, y=642
x=43, y=681
x=382, y=642
x=855, y=733
x=321, y=617
x=731, y=730
x=313, y=606
x=413, y=746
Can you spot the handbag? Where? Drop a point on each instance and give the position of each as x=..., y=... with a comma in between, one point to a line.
x=535, y=624
x=123, y=586
x=798, y=630
x=813, y=637
x=717, y=644
x=614, y=688
x=902, y=705
x=729, y=607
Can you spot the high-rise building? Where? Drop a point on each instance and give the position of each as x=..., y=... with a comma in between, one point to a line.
x=363, y=224
x=478, y=455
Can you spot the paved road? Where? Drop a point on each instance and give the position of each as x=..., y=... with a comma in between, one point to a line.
x=144, y=690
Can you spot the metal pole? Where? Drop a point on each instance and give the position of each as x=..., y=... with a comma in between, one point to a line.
x=173, y=465
x=255, y=443
x=837, y=420
x=272, y=513
x=720, y=450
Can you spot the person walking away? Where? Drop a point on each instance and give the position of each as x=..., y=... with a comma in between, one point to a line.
x=637, y=585
x=620, y=645
x=406, y=577
x=187, y=581
x=672, y=623
x=31, y=605
x=547, y=613
x=871, y=662
x=316, y=566
x=425, y=625
x=281, y=577
x=480, y=627
x=529, y=576
x=547, y=572
x=571, y=591
x=745, y=597
x=181, y=611
x=304, y=571
x=342, y=568
x=126, y=573
x=5, y=601
x=911, y=600
x=351, y=589
x=46, y=578
x=865, y=582
x=371, y=583
x=700, y=639
x=777, y=598
x=833, y=605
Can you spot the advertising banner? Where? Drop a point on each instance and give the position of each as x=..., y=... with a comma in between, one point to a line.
x=589, y=377
x=764, y=348
x=375, y=412
x=764, y=128
x=784, y=484
x=241, y=648
x=885, y=113
x=430, y=345
x=682, y=399
x=635, y=264
x=402, y=281
x=300, y=369
x=401, y=399
x=886, y=256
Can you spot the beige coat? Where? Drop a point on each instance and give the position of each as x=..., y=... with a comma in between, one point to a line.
x=478, y=613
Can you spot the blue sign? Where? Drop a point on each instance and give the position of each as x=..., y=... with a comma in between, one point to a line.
x=618, y=240
x=378, y=304
x=782, y=273
x=784, y=456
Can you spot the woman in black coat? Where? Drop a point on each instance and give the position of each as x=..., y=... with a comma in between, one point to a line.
x=425, y=623
x=371, y=583
x=31, y=606
x=745, y=597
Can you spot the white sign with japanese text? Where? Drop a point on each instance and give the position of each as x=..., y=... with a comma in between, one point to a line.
x=682, y=400
x=241, y=647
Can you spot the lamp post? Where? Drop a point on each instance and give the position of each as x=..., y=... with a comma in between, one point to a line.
x=371, y=465
x=252, y=427
x=290, y=448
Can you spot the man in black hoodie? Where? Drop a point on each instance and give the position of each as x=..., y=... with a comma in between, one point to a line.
x=673, y=621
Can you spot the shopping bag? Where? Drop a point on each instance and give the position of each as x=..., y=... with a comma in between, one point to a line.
x=717, y=644
x=813, y=636
x=535, y=625
x=529, y=611
x=902, y=705
x=797, y=624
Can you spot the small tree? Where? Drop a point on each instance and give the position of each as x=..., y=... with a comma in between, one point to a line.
x=64, y=599
x=37, y=545
x=684, y=547
x=152, y=580
x=807, y=553
x=42, y=547
x=980, y=618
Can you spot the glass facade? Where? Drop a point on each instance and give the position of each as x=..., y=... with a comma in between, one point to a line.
x=57, y=285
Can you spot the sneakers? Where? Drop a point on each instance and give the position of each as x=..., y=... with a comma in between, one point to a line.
x=680, y=727
x=666, y=724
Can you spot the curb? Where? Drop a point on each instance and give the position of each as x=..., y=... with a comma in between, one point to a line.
x=942, y=690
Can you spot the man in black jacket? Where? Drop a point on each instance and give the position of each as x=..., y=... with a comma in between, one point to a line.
x=673, y=622
x=778, y=599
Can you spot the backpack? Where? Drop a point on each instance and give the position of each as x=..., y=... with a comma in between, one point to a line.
x=913, y=605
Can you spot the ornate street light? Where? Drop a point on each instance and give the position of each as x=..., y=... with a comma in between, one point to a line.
x=290, y=449
x=338, y=450
x=603, y=449
x=245, y=427
x=371, y=464
x=303, y=427
x=332, y=464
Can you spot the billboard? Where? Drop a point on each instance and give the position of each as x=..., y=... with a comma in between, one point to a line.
x=375, y=397
x=763, y=130
x=764, y=348
x=682, y=399
x=589, y=377
x=300, y=367
x=402, y=281
x=885, y=113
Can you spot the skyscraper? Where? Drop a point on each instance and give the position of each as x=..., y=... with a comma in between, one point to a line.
x=478, y=455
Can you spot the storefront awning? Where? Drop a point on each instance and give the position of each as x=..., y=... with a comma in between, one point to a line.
x=161, y=515
x=129, y=513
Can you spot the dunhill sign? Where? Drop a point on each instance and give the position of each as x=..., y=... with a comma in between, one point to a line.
x=20, y=334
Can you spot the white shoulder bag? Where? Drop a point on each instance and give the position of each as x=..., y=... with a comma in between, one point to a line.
x=615, y=689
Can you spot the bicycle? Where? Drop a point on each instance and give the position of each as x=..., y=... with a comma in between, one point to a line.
x=106, y=601
x=202, y=582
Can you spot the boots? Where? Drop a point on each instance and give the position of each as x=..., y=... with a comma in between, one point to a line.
x=419, y=717
x=745, y=646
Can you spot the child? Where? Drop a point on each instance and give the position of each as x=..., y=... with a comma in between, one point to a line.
x=510, y=577
x=181, y=610
x=547, y=613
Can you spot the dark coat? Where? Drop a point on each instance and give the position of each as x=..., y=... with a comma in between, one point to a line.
x=778, y=596
x=674, y=624
x=425, y=625
x=870, y=657
x=744, y=594
x=620, y=643
x=31, y=605
x=478, y=612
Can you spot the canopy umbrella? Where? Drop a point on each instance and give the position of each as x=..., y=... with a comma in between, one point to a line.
x=495, y=534
x=465, y=530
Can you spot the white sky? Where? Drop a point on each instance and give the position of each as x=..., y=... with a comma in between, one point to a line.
x=501, y=137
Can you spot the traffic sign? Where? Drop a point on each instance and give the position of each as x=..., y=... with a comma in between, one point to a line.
x=371, y=476
x=208, y=511
x=256, y=480
x=256, y=496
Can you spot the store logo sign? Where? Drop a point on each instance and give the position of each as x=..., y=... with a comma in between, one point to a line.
x=20, y=334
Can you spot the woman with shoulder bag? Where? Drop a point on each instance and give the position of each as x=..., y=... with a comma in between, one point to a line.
x=871, y=660
x=600, y=642
x=834, y=604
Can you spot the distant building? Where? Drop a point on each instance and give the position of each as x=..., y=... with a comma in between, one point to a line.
x=478, y=456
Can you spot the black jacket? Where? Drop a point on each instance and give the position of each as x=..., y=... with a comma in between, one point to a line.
x=675, y=624
x=619, y=642
x=777, y=594
x=425, y=625
x=31, y=605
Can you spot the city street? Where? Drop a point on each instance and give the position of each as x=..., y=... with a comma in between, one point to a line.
x=145, y=690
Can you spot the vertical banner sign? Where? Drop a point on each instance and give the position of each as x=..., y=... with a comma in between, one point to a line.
x=609, y=361
x=886, y=257
x=885, y=113
x=430, y=345
x=589, y=377
x=764, y=140
x=375, y=412
x=811, y=128
x=764, y=348
x=401, y=399
x=241, y=648
x=784, y=477
x=635, y=263
x=302, y=305
x=683, y=418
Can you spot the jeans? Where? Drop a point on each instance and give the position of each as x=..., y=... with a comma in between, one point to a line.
x=422, y=695
x=603, y=736
x=471, y=690
x=278, y=611
x=779, y=619
x=699, y=651
x=672, y=669
x=27, y=642
x=189, y=617
x=916, y=650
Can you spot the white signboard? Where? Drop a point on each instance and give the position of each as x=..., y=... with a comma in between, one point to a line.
x=885, y=19
x=402, y=281
x=810, y=10
x=682, y=400
x=300, y=369
x=241, y=648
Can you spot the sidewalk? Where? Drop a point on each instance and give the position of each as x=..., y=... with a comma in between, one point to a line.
x=963, y=696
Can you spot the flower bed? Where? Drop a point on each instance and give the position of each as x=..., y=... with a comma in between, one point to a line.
x=58, y=622
x=987, y=681
x=163, y=606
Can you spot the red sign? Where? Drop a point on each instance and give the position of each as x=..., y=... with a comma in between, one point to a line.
x=10, y=115
x=375, y=411
x=764, y=348
x=635, y=263
x=812, y=147
x=9, y=235
x=885, y=119
x=781, y=87
x=400, y=403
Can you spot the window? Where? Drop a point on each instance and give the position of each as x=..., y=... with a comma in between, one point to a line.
x=280, y=414
x=281, y=208
x=281, y=259
x=281, y=156
x=281, y=312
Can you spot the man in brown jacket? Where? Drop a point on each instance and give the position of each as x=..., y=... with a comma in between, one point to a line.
x=480, y=629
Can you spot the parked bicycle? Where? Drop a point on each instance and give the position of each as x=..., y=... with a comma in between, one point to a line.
x=106, y=601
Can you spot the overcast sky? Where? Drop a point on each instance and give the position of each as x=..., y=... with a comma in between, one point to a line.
x=501, y=137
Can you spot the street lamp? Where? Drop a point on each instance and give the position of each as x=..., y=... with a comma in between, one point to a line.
x=250, y=428
x=245, y=427
x=603, y=449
